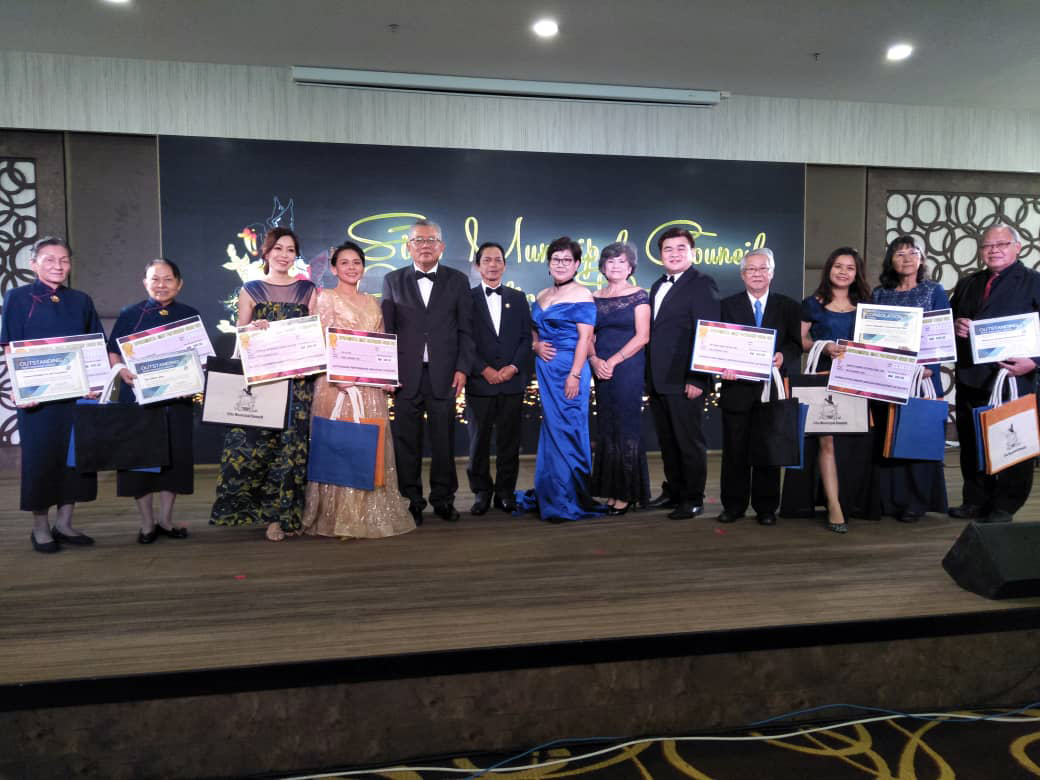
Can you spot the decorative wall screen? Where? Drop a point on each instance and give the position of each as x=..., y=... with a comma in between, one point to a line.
x=18, y=230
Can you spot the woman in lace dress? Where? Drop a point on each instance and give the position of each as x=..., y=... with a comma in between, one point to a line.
x=619, y=470
x=345, y=512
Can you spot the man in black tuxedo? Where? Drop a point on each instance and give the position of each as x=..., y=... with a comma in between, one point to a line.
x=1004, y=287
x=757, y=306
x=678, y=299
x=429, y=307
x=495, y=389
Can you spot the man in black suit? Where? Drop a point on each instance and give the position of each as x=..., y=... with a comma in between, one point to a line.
x=678, y=299
x=757, y=306
x=429, y=307
x=1003, y=288
x=495, y=389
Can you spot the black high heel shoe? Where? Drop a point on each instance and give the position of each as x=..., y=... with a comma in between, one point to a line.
x=614, y=511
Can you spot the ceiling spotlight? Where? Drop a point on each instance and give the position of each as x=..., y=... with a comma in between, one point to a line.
x=118, y=2
x=899, y=51
x=545, y=28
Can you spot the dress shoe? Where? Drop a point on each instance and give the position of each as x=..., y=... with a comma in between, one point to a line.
x=728, y=517
x=446, y=512
x=997, y=516
x=78, y=540
x=148, y=538
x=43, y=547
x=613, y=511
x=685, y=510
x=506, y=504
x=481, y=505
x=909, y=517
x=766, y=518
x=663, y=501
x=416, y=510
x=967, y=511
x=172, y=533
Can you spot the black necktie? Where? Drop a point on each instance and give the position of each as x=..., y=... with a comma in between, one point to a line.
x=493, y=291
x=423, y=275
x=667, y=279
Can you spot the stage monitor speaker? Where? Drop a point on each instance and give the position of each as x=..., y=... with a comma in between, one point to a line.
x=998, y=561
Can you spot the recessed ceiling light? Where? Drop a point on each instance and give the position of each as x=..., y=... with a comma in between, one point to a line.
x=899, y=51
x=118, y=2
x=545, y=28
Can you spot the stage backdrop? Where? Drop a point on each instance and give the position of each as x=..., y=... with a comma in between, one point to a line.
x=220, y=196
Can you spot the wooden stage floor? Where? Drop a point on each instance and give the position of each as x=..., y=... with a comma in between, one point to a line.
x=229, y=598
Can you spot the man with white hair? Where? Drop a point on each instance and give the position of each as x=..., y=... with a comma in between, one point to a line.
x=742, y=483
x=1004, y=287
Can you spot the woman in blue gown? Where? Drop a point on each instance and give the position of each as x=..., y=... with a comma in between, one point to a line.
x=162, y=281
x=47, y=308
x=619, y=470
x=909, y=488
x=563, y=316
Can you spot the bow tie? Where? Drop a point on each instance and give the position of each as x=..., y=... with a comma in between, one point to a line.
x=423, y=275
x=493, y=291
x=667, y=279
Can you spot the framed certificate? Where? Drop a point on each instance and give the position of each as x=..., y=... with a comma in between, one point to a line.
x=1001, y=338
x=174, y=375
x=95, y=353
x=895, y=327
x=283, y=350
x=938, y=342
x=178, y=336
x=362, y=357
x=725, y=346
x=47, y=375
x=871, y=371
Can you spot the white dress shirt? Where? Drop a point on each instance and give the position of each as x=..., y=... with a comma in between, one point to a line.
x=494, y=304
x=663, y=289
x=764, y=299
x=425, y=288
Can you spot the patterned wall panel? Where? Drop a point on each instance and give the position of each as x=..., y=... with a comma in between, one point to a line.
x=18, y=229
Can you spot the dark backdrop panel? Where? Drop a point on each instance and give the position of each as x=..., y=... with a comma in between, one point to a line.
x=218, y=197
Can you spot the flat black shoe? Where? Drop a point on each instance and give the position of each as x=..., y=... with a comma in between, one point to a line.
x=79, y=540
x=663, y=501
x=909, y=517
x=766, y=518
x=727, y=517
x=172, y=533
x=43, y=547
x=613, y=511
x=446, y=512
x=967, y=511
x=506, y=504
x=481, y=505
x=148, y=538
x=997, y=516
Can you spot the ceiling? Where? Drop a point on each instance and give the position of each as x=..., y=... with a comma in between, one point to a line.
x=967, y=53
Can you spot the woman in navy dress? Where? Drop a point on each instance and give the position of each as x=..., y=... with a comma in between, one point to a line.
x=563, y=316
x=44, y=309
x=619, y=469
x=829, y=314
x=909, y=488
x=162, y=281
x=263, y=473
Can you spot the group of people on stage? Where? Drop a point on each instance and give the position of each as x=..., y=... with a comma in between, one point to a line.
x=483, y=339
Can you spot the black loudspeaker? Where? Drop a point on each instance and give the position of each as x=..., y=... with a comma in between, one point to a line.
x=998, y=561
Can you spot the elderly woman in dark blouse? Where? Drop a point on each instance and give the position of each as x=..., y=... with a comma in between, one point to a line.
x=44, y=309
x=162, y=281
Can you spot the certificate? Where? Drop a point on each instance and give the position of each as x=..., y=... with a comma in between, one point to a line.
x=285, y=349
x=938, y=342
x=725, y=346
x=1001, y=338
x=92, y=345
x=47, y=375
x=362, y=357
x=178, y=336
x=874, y=372
x=896, y=327
x=175, y=375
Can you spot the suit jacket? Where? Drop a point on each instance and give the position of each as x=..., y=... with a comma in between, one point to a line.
x=1017, y=292
x=781, y=313
x=693, y=297
x=444, y=327
x=510, y=346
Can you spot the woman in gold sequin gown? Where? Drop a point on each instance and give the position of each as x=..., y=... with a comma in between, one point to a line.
x=331, y=510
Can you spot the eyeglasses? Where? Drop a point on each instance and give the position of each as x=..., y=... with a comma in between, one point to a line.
x=561, y=261
x=763, y=270
x=1000, y=246
x=907, y=253
x=424, y=241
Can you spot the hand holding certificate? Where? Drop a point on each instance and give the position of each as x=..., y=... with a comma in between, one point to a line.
x=92, y=345
x=163, y=340
x=874, y=372
x=47, y=374
x=938, y=342
x=745, y=350
x=174, y=375
x=1000, y=338
x=895, y=327
x=285, y=349
x=362, y=357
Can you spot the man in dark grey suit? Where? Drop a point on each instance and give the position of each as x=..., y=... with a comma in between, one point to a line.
x=495, y=389
x=429, y=307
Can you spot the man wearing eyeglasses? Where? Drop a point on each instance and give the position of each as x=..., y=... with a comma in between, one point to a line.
x=756, y=305
x=1004, y=287
x=429, y=307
